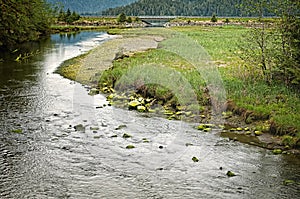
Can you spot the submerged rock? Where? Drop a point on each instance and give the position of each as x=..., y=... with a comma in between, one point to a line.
x=79, y=127
x=125, y=135
x=17, y=131
x=121, y=126
x=195, y=159
x=130, y=147
x=287, y=182
x=230, y=174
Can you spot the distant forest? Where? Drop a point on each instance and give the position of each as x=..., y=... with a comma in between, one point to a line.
x=181, y=8
x=89, y=6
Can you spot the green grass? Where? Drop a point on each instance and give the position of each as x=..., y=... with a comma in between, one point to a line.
x=244, y=85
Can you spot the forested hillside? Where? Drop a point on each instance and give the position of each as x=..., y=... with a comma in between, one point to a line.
x=179, y=8
x=90, y=6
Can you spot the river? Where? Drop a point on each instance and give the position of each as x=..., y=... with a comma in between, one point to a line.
x=42, y=155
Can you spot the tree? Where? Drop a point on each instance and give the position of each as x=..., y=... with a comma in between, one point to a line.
x=23, y=20
x=61, y=15
x=121, y=18
x=75, y=16
x=288, y=61
x=129, y=20
x=68, y=17
x=275, y=47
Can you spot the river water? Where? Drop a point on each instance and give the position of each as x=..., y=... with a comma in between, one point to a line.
x=43, y=156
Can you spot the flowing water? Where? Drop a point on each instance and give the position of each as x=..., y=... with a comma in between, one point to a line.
x=43, y=156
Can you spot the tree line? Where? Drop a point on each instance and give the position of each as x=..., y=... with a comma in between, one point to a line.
x=92, y=7
x=179, y=8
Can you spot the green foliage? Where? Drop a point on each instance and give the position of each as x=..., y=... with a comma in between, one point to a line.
x=67, y=17
x=129, y=20
x=214, y=18
x=288, y=58
x=275, y=47
x=121, y=18
x=23, y=20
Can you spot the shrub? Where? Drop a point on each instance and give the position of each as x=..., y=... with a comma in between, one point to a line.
x=214, y=18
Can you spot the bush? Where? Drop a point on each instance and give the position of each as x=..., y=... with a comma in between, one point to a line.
x=214, y=18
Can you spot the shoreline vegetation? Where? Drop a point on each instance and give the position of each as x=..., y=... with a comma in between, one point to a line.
x=257, y=113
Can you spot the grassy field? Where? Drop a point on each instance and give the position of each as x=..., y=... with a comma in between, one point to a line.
x=273, y=105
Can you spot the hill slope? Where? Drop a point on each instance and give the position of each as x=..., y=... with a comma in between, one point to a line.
x=179, y=8
x=90, y=6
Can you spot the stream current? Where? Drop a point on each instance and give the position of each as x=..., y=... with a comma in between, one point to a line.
x=42, y=155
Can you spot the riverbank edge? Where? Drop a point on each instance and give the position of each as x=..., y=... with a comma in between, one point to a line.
x=266, y=140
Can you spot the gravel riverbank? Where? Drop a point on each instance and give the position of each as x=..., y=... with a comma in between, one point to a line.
x=87, y=68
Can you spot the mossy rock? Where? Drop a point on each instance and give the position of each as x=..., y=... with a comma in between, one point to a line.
x=125, y=135
x=179, y=113
x=130, y=147
x=134, y=104
x=188, y=113
x=121, y=126
x=209, y=125
x=258, y=133
x=110, y=97
x=288, y=182
x=94, y=128
x=230, y=174
x=195, y=159
x=239, y=129
x=201, y=127
x=79, y=127
x=145, y=140
x=141, y=108
x=94, y=91
x=168, y=112
x=246, y=129
x=277, y=151
x=188, y=144
x=207, y=129
x=19, y=131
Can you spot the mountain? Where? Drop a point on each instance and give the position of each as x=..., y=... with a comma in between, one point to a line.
x=89, y=6
x=179, y=8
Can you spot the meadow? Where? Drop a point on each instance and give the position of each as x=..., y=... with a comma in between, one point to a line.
x=272, y=105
